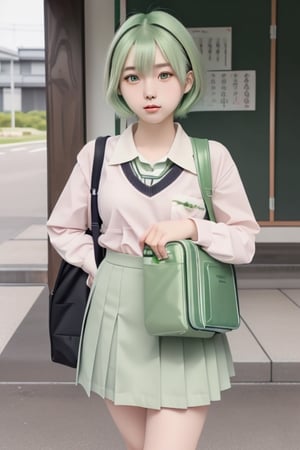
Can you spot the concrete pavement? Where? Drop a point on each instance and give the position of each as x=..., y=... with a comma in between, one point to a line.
x=41, y=409
x=61, y=417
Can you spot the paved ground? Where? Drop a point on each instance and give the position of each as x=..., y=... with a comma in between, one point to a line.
x=59, y=417
x=41, y=409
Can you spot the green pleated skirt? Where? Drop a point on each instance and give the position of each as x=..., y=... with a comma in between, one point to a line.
x=120, y=361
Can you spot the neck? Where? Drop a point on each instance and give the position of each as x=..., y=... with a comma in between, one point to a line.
x=153, y=141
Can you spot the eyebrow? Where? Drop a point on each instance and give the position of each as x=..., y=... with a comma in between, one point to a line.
x=157, y=66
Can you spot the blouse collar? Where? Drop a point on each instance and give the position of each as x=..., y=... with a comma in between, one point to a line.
x=180, y=153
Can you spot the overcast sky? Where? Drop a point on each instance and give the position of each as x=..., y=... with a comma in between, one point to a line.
x=21, y=23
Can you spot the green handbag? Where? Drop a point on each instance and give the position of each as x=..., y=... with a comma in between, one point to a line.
x=190, y=293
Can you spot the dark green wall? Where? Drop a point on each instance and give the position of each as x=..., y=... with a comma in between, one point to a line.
x=246, y=133
x=287, y=206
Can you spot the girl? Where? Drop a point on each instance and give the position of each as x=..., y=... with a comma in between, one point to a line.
x=157, y=390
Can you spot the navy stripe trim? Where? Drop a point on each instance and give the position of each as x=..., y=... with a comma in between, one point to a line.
x=171, y=176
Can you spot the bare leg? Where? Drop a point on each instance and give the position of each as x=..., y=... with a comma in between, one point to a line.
x=131, y=423
x=174, y=429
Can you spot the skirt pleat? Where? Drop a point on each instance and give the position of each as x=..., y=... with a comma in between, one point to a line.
x=120, y=361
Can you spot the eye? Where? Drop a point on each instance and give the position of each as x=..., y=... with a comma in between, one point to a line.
x=165, y=75
x=131, y=78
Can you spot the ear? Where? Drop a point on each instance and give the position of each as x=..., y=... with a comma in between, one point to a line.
x=189, y=81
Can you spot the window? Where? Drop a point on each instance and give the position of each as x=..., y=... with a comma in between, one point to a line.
x=38, y=68
x=4, y=67
x=25, y=67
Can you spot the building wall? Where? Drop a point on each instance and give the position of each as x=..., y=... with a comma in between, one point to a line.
x=7, y=99
x=29, y=81
x=33, y=99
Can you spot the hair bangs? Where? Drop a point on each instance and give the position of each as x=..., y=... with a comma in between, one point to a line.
x=173, y=54
x=144, y=51
x=148, y=38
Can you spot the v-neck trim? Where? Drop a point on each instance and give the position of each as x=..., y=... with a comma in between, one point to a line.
x=171, y=176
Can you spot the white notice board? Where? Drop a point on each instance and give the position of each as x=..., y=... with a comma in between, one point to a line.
x=232, y=90
x=214, y=44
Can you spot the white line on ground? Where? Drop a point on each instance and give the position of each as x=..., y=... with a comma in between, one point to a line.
x=36, y=150
x=17, y=149
x=16, y=383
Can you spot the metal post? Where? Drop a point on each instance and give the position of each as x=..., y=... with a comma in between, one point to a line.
x=12, y=95
x=272, y=201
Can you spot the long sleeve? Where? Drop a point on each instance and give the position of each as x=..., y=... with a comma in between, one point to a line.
x=70, y=217
x=232, y=238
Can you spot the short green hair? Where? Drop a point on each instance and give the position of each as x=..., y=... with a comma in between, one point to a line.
x=145, y=32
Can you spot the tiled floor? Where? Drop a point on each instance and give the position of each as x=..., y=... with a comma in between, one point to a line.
x=270, y=336
x=265, y=348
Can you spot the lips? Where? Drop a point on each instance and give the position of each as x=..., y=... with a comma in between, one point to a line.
x=152, y=107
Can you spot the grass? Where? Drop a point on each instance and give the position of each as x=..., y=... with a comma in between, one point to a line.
x=15, y=140
x=8, y=136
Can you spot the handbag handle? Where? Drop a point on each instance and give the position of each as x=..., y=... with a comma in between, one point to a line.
x=203, y=167
x=96, y=221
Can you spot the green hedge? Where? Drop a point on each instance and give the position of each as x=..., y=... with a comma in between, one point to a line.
x=31, y=119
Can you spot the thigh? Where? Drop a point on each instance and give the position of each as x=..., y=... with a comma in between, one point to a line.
x=176, y=429
x=131, y=423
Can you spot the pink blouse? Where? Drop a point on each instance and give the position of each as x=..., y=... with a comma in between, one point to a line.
x=128, y=208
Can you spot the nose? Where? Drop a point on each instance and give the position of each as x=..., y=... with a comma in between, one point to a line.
x=149, y=89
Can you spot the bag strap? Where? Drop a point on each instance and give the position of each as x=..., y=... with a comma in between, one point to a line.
x=96, y=172
x=203, y=167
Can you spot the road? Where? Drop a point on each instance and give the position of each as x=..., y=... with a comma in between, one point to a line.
x=23, y=186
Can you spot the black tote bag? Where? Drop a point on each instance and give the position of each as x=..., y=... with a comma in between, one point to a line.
x=69, y=296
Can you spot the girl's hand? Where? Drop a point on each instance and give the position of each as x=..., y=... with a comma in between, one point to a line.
x=159, y=234
x=90, y=281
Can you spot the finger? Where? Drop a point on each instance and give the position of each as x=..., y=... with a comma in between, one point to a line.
x=142, y=243
x=143, y=238
x=159, y=249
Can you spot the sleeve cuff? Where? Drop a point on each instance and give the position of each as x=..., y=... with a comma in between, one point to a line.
x=205, y=232
x=89, y=264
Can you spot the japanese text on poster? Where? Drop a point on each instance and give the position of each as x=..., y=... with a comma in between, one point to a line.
x=214, y=45
x=228, y=91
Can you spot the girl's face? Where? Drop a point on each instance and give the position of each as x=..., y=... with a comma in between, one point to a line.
x=155, y=96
